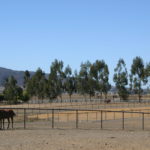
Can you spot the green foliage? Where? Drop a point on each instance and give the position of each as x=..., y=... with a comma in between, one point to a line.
x=100, y=74
x=86, y=84
x=147, y=71
x=69, y=82
x=121, y=79
x=19, y=92
x=131, y=83
x=25, y=97
x=139, y=75
x=12, y=93
x=83, y=78
x=37, y=85
x=55, y=82
x=90, y=79
x=105, y=80
x=1, y=97
x=26, y=78
x=123, y=93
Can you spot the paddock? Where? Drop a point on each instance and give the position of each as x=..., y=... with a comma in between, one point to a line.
x=113, y=116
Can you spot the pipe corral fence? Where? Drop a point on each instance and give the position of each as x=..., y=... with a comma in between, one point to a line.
x=80, y=105
x=35, y=118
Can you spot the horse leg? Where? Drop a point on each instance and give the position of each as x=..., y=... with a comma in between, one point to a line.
x=8, y=123
x=12, y=121
x=3, y=123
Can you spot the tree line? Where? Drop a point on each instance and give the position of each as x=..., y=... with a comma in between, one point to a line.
x=92, y=78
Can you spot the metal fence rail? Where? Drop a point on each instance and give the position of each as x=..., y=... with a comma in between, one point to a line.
x=34, y=118
x=83, y=105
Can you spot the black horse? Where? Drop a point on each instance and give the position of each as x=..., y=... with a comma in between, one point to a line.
x=6, y=114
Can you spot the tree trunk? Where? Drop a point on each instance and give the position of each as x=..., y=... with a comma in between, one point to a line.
x=120, y=98
x=70, y=98
x=101, y=95
x=85, y=97
x=61, y=98
x=105, y=96
x=139, y=95
x=90, y=97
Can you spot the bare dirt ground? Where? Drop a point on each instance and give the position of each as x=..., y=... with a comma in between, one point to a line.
x=74, y=140
x=39, y=136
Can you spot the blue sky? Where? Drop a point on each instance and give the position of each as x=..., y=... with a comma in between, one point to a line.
x=35, y=32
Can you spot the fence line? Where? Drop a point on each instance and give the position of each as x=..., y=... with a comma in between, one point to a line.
x=92, y=105
x=76, y=117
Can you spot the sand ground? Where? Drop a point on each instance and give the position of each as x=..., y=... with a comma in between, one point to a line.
x=56, y=139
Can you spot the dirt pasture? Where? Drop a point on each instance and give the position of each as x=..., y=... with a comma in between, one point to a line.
x=87, y=119
x=112, y=115
x=57, y=139
x=39, y=134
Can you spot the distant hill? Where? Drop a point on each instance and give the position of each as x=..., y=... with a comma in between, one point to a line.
x=5, y=73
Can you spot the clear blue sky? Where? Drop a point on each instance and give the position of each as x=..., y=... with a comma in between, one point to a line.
x=35, y=32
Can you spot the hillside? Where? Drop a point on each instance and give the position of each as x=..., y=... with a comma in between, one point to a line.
x=5, y=73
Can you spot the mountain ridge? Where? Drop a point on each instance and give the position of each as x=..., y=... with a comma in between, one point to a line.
x=18, y=75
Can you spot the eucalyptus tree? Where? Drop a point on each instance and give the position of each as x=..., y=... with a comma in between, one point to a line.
x=131, y=83
x=85, y=80
x=69, y=81
x=52, y=87
x=106, y=86
x=121, y=79
x=37, y=85
x=100, y=73
x=12, y=92
x=26, y=78
x=147, y=73
x=75, y=78
x=31, y=88
x=56, y=77
x=42, y=86
x=139, y=76
x=147, y=70
x=91, y=86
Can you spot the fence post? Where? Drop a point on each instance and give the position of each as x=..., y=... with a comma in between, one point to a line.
x=101, y=119
x=77, y=119
x=143, y=121
x=123, y=120
x=58, y=115
x=52, y=118
x=87, y=116
x=24, y=118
